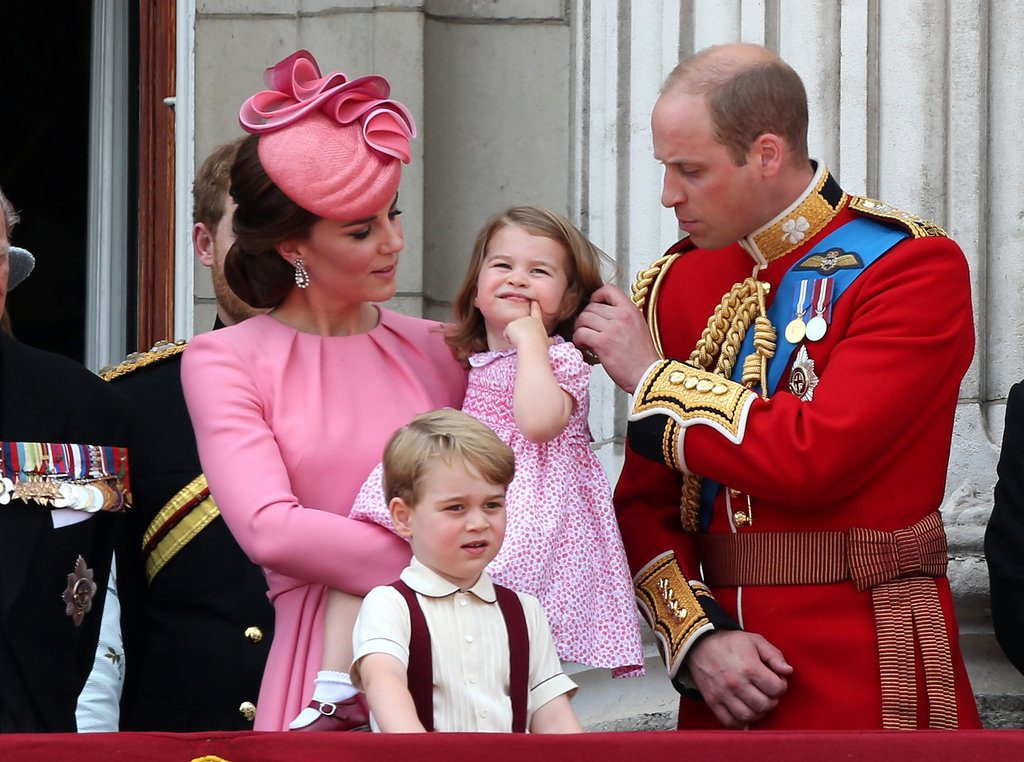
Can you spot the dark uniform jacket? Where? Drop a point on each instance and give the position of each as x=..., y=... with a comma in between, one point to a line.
x=1004, y=538
x=196, y=638
x=44, y=658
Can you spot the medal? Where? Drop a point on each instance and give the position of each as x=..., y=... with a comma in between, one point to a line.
x=802, y=378
x=795, y=329
x=88, y=478
x=817, y=326
x=79, y=593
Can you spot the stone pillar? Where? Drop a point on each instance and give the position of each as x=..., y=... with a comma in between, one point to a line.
x=496, y=127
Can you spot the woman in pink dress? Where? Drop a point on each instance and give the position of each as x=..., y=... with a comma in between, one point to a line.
x=292, y=409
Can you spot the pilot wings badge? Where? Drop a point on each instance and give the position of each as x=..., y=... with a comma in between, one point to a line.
x=831, y=261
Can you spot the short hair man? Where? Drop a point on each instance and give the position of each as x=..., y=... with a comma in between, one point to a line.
x=788, y=441
x=63, y=476
x=445, y=474
x=212, y=211
x=196, y=622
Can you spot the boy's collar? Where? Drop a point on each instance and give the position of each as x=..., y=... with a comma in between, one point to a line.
x=429, y=583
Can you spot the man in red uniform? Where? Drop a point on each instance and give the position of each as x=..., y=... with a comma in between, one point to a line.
x=794, y=389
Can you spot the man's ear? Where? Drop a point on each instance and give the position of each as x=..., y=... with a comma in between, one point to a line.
x=202, y=242
x=401, y=513
x=770, y=152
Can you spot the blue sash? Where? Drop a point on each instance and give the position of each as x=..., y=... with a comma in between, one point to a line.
x=865, y=237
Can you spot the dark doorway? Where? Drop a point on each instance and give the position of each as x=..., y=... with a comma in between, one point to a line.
x=44, y=165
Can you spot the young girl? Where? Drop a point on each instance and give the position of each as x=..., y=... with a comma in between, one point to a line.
x=530, y=275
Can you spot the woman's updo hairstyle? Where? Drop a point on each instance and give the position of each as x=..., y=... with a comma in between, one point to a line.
x=264, y=217
x=321, y=147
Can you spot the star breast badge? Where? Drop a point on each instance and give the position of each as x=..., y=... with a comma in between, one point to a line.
x=79, y=593
x=802, y=378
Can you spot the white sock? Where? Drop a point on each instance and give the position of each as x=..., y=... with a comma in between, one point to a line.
x=329, y=686
x=332, y=686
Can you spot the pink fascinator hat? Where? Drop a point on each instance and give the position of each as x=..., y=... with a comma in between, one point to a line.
x=332, y=145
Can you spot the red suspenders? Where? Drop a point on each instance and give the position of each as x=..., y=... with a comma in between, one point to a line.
x=420, y=672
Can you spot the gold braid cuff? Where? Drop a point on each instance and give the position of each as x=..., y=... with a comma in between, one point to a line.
x=672, y=607
x=689, y=396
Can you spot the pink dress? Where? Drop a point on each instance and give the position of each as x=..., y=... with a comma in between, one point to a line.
x=288, y=426
x=562, y=541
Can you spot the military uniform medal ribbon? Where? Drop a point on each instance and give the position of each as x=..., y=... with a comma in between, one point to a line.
x=81, y=477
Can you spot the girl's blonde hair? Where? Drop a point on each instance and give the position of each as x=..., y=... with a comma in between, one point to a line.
x=468, y=334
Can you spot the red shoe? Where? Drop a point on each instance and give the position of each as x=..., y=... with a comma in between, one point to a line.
x=350, y=714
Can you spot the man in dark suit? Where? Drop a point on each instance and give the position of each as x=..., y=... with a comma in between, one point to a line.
x=1004, y=537
x=196, y=622
x=62, y=480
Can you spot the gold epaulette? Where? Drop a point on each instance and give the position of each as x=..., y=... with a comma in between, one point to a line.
x=916, y=226
x=162, y=350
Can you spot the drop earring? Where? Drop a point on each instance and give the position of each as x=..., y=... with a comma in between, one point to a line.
x=301, y=274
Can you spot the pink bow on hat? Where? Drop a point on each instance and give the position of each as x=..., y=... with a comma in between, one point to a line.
x=297, y=89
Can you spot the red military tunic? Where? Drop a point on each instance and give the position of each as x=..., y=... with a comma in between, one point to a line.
x=869, y=449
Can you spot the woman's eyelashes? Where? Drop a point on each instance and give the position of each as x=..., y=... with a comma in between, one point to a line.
x=364, y=233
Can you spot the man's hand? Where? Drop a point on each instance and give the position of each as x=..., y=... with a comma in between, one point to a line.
x=613, y=328
x=740, y=675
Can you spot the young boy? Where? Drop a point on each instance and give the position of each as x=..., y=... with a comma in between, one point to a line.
x=445, y=475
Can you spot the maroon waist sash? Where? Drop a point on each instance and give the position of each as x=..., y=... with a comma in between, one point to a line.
x=895, y=566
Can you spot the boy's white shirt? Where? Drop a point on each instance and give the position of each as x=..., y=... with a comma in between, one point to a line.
x=469, y=649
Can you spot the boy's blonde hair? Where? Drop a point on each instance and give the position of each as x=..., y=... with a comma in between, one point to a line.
x=446, y=434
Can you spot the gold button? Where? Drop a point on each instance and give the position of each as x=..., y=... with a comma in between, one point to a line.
x=248, y=710
x=253, y=634
x=691, y=382
x=719, y=389
x=675, y=377
x=740, y=519
x=704, y=385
